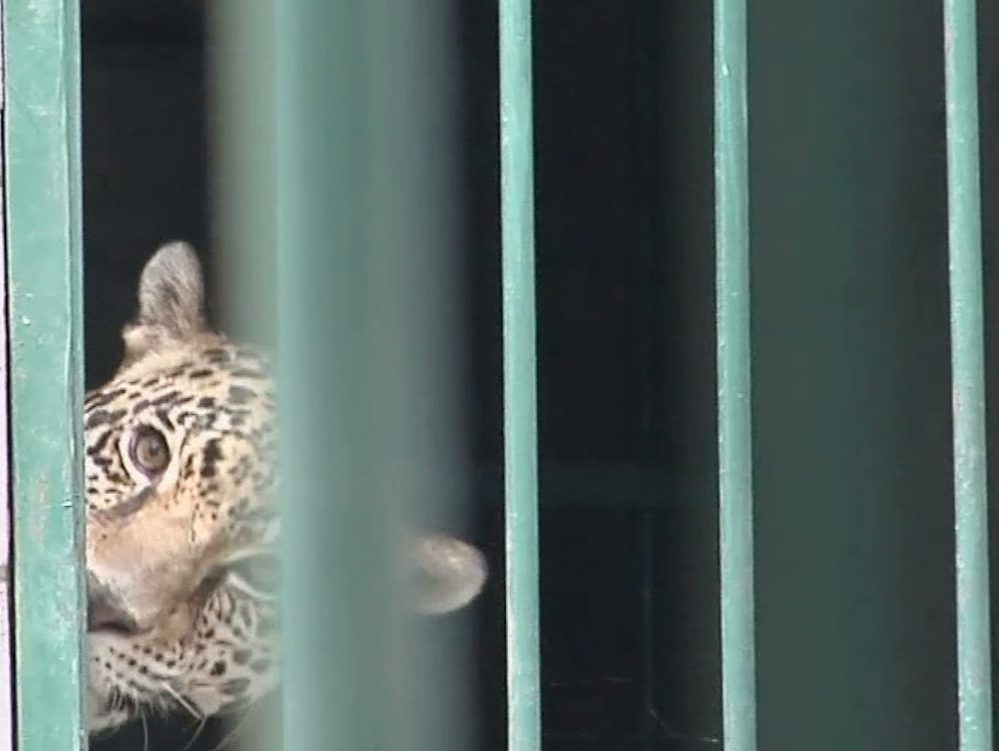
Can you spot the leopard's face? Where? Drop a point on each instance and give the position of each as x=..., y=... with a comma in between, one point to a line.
x=182, y=523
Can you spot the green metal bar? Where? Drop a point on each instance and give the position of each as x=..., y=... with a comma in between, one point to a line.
x=366, y=298
x=41, y=118
x=242, y=123
x=519, y=376
x=243, y=185
x=968, y=377
x=734, y=404
x=416, y=289
x=334, y=643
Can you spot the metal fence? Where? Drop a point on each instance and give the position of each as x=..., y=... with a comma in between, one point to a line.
x=324, y=264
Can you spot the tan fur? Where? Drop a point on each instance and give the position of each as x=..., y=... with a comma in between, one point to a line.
x=174, y=621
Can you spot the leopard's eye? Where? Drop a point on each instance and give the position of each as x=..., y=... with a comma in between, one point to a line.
x=150, y=451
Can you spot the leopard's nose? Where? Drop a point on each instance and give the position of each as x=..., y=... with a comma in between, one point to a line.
x=106, y=610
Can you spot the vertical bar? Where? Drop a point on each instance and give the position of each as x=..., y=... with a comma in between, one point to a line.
x=367, y=303
x=968, y=377
x=241, y=88
x=734, y=404
x=416, y=294
x=41, y=130
x=334, y=641
x=519, y=376
x=242, y=75
x=7, y=739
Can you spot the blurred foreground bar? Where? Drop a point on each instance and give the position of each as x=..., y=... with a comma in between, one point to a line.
x=336, y=197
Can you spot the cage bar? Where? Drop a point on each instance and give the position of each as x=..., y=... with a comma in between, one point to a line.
x=735, y=475
x=330, y=640
x=42, y=175
x=367, y=296
x=241, y=76
x=7, y=740
x=241, y=87
x=968, y=377
x=519, y=376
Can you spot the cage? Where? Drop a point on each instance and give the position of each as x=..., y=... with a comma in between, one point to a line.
x=195, y=120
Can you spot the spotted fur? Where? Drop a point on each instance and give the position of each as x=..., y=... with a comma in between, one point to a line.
x=180, y=545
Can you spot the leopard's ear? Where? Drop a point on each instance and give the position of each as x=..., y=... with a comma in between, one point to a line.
x=449, y=573
x=171, y=302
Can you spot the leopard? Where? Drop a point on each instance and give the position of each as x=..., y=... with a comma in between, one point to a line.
x=182, y=521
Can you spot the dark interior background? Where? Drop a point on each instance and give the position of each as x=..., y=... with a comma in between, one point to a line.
x=852, y=406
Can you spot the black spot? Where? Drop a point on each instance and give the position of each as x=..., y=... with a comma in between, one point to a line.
x=201, y=373
x=240, y=394
x=253, y=375
x=206, y=402
x=236, y=686
x=102, y=417
x=260, y=666
x=99, y=399
x=188, y=466
x=178, y=371
x=216, y=356
x=171, y=398
x=98, y=446
x=241, y=656
x=218, y=668
x=133, y=504
x=210, y=458
x=165, y=419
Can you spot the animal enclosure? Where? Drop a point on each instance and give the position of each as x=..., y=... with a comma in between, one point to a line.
x=682, y=311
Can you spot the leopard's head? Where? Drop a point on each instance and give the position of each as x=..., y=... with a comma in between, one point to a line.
x=182, y=522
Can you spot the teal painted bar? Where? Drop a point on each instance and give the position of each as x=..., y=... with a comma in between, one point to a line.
x=334, y=622
x=241, y=88
x=735, y=475
x=242, y=153
x=519, y=376
x=968, y=377
x=42, y=110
